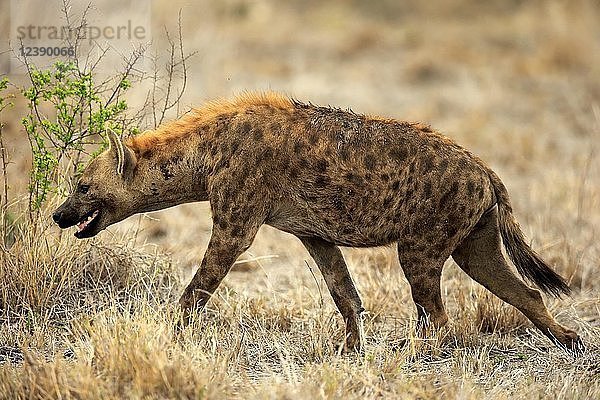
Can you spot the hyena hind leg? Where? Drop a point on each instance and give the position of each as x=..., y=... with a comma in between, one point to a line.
x=330, y=261
x=480, y=256
x=424, y=276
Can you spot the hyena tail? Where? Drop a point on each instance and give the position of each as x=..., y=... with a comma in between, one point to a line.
x=529, y=264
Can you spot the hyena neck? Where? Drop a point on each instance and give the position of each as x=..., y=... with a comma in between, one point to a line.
x=169, y=174
x=177, y=161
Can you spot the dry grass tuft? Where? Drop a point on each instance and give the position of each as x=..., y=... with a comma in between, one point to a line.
x=494, y=315
x=55, y=276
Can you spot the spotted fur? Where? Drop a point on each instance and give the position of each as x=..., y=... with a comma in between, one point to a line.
x=331, y=177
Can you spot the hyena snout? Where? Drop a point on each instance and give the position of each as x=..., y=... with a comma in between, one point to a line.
x=65, y=216
x=87, y=218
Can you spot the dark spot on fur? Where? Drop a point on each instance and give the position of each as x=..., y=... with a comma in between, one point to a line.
x=472, y=213
x=411, y=169
x=147, y=153
x=313, y=138
x=221, y=223
x=413, y=208
x=234, y=146
x=321, y=165
x=398, y=153
x=165, y=171
x=294, y=173
x=296, y=117
x=470, y=188
x=426, y=163
x=385, y=177
x=175, y=159
x=237, y=215
x=369, y=162
x=443, y=166
x=222, y=122
x=432, y=252
x=354, y=178
x=257, y=134
x=216, y=132
x=450, y=193
x=396, y=185
x=267, y=154
x=322, y=181
x=427, y=189
x=242, y=176
x=223, y=163
x=245, y=128
x=154, y=189
x=480, y=193
x=388, y=200
x=452, y=230
x=454, y=223
x=298, y=147
x=304, y=163
x=337, y=201
x=237, y=231
x=343, y=153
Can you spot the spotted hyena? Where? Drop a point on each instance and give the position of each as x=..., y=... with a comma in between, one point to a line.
x=332, y=178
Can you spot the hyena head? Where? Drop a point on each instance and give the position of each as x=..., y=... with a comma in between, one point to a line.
x=103, y=194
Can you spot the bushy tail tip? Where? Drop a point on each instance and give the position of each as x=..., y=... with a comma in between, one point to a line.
x=529, y=264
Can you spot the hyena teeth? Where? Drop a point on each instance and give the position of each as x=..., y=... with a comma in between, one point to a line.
x=84, y=224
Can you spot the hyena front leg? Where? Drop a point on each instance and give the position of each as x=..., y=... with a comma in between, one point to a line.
x=330, y=261
x=228, y=241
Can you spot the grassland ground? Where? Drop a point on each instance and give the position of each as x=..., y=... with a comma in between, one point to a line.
x=514, y=82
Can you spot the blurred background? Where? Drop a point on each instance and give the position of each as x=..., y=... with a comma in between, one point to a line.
x=516, y=82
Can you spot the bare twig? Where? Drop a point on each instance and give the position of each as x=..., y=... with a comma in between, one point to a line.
x=177, y=64
x=4, y=199
x=130, y=63
x=321, y=301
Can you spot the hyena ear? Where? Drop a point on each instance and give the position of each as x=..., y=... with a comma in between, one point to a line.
x=125, y=158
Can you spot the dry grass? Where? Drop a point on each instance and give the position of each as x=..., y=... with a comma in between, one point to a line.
x=516, y=82
x=96, y=319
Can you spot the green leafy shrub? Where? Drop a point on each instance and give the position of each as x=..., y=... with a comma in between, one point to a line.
x=68, y=114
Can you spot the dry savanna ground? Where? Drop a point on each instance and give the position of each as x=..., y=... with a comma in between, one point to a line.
x=516, y=82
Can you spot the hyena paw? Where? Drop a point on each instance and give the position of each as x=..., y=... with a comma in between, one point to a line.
x=573, y=343
x=185, y=302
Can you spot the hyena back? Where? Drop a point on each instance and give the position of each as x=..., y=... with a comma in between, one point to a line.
x=332, y=178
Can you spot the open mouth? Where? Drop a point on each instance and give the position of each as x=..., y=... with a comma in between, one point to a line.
x=87, y=223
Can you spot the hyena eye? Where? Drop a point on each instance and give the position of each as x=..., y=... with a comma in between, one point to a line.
x=83, y=189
